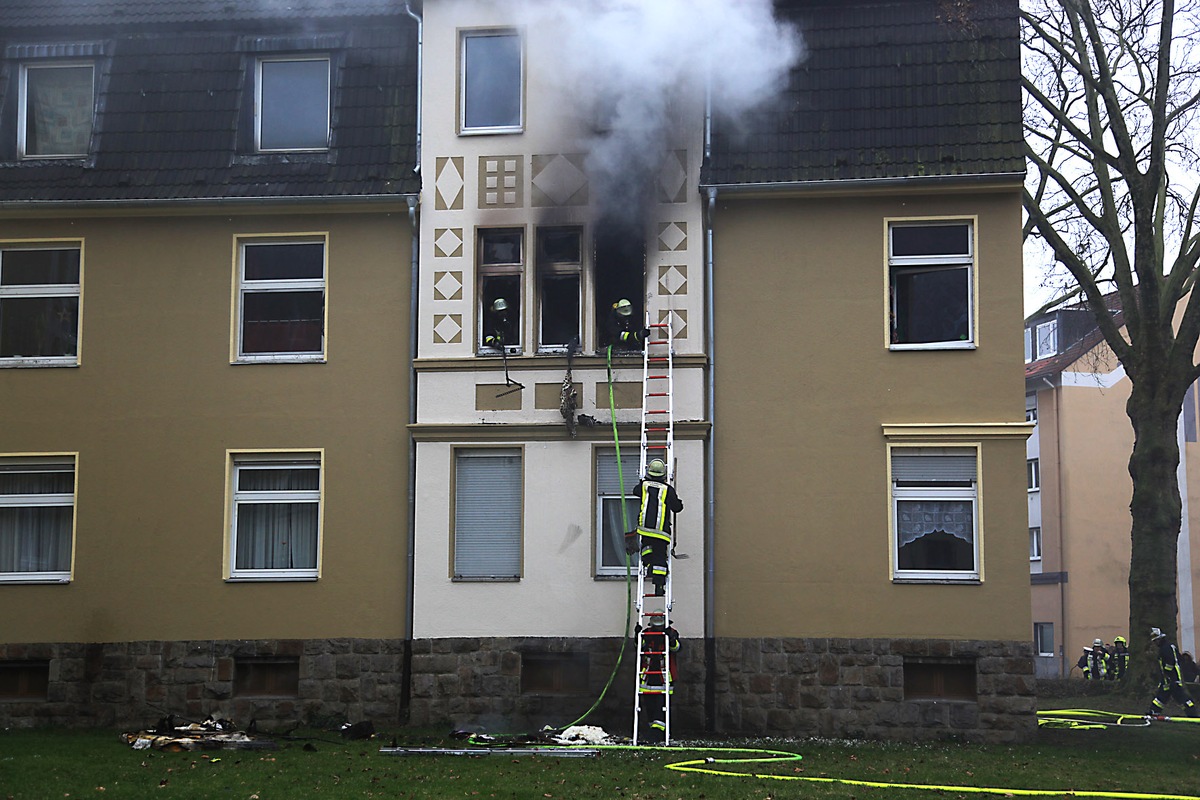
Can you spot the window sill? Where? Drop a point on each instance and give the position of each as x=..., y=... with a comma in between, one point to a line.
x=934, y=346
x=904, y=579
x=505, y=131
x=261, y=577
x=11, y=578
x=486, y=579
x=37, y=363
x=281, y=358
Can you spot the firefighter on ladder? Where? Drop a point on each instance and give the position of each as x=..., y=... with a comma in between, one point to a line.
x=656, y=678
x=659, y=503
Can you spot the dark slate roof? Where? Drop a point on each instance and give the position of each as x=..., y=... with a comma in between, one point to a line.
x=175, y=100
x=889, y=89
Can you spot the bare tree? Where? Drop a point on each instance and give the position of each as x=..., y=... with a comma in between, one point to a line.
x=1111, y=96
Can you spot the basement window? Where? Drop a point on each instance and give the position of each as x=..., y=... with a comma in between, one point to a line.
x=930, y=277
x=939, y=679
x=266, y=677
x=554, y=673
x=24, y=680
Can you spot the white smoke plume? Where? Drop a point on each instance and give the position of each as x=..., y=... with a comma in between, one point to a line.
x=647, y=65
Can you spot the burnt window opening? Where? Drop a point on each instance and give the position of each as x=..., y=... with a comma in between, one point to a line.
x=620, y=273
x=266, y=677
x=554, y=673
x=24, y=680
x=501, y=258
x=559, y=259
x=938, y=679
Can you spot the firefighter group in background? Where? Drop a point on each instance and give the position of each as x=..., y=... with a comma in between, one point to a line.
x=1099, y=663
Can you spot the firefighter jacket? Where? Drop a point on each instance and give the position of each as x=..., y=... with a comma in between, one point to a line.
x=658, y=502
x=1168, y=664
x=660, y=646
x=1094, y=663
x=1119, y=663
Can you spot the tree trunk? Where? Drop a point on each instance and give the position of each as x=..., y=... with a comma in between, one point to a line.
x=1157, y=515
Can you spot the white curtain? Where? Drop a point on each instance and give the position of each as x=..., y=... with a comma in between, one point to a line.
x=35, y=535
x=277, y=535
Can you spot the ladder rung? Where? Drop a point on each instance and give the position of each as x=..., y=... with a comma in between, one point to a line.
x=657, y=377
x=658, y=358
x=656, y=447
x=659, y=325
x=656, y=411
x=658, y=394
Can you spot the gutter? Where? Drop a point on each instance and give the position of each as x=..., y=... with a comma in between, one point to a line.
x=411, y=448
x=861, y=184
x=199, y=202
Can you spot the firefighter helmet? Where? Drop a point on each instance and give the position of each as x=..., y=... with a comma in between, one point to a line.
x=623, y=307
x=1119, y=640
x=656, y=468
x=499, y=304
x=1156, y=634
x=1098, y=643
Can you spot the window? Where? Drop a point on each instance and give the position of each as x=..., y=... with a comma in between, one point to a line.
x=934, y=507
x=487, y=514
x=1043, y=638
x=281, y=301
x=939, y=679
x=611, y=525
x=24, y=680
x=37, y=518
x=930, y=285
x=1028, y=345
x=1035, y=544
x=1031, y=412
x=276, y=516
x=492, y=82
x=559, y=254
x=1033, y=474
x=55, y=110
x=292, y=103
x=500, y=256
x=39, y=305
x=554, y=673
x=266, y=677
x=1047, y=339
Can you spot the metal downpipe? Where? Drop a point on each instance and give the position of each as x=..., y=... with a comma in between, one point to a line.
x=710, y=642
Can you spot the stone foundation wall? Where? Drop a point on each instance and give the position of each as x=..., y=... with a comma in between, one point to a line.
x=831, y=687
x=129, y=685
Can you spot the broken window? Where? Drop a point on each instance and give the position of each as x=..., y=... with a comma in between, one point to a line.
x=558, y=266
x=492, y=82
x=276, y=516
x=281, y=301
x=934, y=498
x=56, y=110
x=39, y=305
x=930, y=274
x=620, y=263
x=501, y=267
x=37, y=518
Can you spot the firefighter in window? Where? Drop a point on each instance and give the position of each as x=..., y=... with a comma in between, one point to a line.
x=497, y=321
x=620, y=331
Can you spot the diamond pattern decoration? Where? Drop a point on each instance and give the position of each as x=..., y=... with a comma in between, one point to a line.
x=447, y=328
x=500, y=180
x=448, y=285
x=558, y=180
x=447, y=242
x=672, y=236
x=677, y=319
x=448, y=183
x=672, y=279
x=672, y=177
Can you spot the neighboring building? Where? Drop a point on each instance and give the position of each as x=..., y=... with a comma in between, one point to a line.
x=1077, y=472
x=205, y=252
x=840, y=267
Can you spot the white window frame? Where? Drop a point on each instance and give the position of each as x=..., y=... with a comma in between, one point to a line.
x=1046, y=339
x=630, y=463
x=244, y=287
x=25, y=464
x=258, y=101
x=548, y=269
x=23, y=108
x=45, y=290
x=1035, y=543
x=1039, y=629
x=463, y=79
x=477, y=526
x=1033, y=474
x=939, y=263
x=1031, y=412
x=932, y=491
x=485, y=272
x=1028, y=345
x=275, y=459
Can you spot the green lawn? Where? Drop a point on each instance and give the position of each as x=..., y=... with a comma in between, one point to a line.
x=1162, y=759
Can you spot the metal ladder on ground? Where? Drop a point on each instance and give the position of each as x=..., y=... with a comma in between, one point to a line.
x=655, y=645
